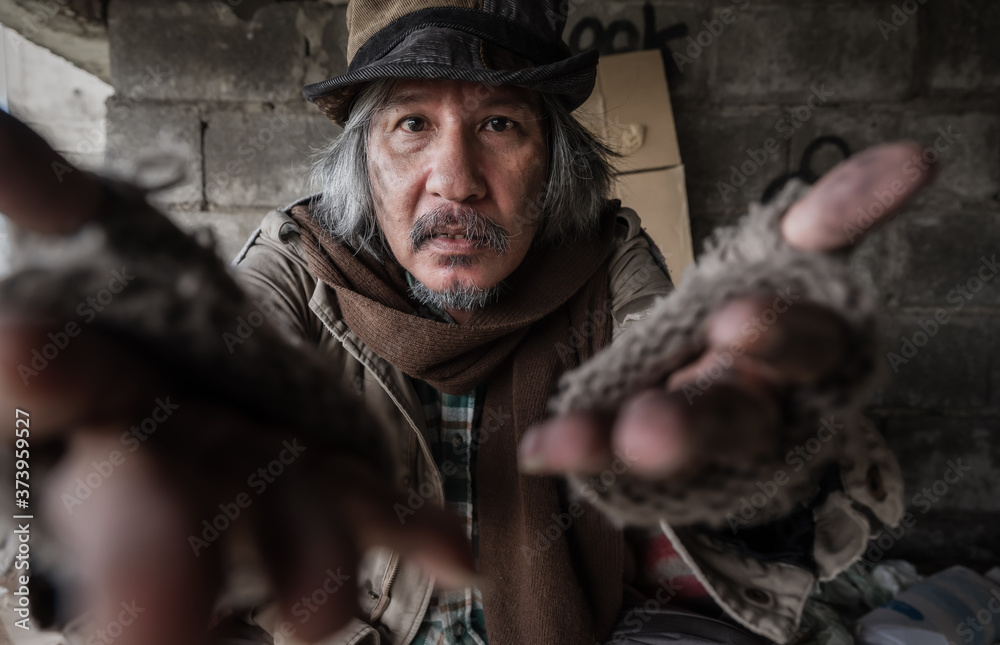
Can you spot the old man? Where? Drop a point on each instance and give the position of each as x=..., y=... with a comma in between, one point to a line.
x=464, y=276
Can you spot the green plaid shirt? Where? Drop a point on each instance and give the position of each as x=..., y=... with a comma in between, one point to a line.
x=454, y=617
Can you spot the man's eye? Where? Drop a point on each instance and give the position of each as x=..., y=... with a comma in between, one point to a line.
x=500, y=124
x=413, y=124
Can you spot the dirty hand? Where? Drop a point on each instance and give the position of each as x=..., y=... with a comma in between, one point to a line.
x=156, y=484
x=737, y=418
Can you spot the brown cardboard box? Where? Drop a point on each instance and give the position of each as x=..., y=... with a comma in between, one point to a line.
x=630, y=110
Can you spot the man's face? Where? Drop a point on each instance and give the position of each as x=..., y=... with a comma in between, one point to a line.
x=455, y=169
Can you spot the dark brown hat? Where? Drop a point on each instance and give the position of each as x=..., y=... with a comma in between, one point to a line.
x=494, y=42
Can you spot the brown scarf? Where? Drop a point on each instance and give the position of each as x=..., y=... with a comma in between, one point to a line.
x=546, y=583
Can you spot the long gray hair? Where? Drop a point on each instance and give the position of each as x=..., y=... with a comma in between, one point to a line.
x=579, y=177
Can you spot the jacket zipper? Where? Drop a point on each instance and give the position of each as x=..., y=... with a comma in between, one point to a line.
x=390, y=576
x=393, y=569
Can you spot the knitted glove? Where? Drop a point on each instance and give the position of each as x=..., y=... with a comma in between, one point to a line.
x=749, y=260
x=178, y=305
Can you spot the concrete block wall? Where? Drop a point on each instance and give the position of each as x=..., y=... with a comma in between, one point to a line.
x=219, y=81
x=217, y=85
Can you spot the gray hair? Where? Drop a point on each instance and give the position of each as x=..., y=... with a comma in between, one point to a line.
x=579, y=177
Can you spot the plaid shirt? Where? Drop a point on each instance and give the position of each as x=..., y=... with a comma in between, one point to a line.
x=454, y=617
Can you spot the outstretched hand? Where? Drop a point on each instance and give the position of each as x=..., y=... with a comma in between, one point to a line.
x=736, y=419
x=146, y=466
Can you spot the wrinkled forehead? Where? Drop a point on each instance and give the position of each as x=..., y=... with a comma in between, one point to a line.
x=413, y=93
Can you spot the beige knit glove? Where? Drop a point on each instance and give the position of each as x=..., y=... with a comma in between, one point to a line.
x=750, y=259
x=135, y=275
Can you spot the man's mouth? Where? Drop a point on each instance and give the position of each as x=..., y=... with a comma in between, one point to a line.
x=458, y=230
x=454, y=245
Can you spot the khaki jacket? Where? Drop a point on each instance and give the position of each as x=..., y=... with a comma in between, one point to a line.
x=767, y=597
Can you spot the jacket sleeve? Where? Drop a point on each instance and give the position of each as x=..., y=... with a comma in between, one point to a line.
x=638, y=275
x=657, y=335
x=270, y=268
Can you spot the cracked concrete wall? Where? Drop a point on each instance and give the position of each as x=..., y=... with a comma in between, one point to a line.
x=222, y=90
x=218, y=82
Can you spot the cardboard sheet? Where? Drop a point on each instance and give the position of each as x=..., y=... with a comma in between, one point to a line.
x=630, y=110
x=661, y=201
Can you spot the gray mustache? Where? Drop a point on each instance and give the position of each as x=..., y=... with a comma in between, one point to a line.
x=475, y=226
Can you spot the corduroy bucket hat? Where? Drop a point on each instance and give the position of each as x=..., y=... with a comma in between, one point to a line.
x=494, y=42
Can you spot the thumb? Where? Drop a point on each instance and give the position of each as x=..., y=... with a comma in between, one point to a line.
x=856, y=197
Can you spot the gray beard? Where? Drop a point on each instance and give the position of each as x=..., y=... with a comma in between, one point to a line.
x=459, y=296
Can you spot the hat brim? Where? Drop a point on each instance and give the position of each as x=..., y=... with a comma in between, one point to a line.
x=450, y=54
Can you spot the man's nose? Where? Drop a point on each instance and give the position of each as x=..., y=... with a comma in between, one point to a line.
x=456, y=174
